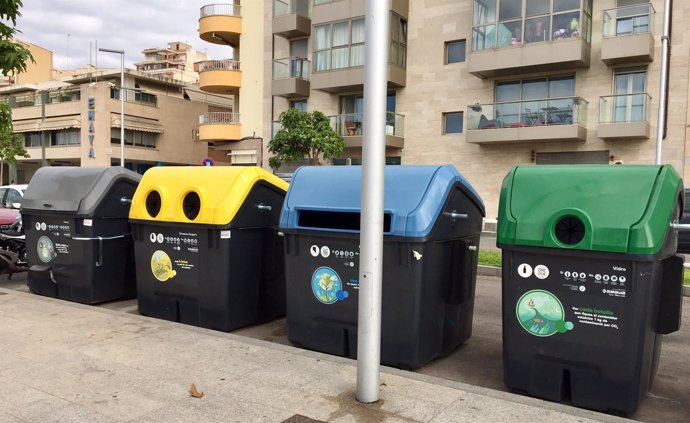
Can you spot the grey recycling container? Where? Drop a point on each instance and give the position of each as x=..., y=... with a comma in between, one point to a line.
x=78, y=237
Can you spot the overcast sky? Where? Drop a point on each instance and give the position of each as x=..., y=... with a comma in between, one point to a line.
x=67, y=26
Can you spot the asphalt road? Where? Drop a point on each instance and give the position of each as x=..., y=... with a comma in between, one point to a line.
x=479, y=361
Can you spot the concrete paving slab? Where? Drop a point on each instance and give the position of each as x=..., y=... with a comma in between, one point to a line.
x=147, y=377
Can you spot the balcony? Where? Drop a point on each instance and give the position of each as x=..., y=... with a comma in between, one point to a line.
x=291, y=18
x=550, y=42
x=624, y=117
x=548, y=120
x=220, y=76
x=335, y=10
x=219, y=126
x=135, y=96
x=628, y=35
x=290, y=77
x=350, y=127
x=351, y=78
x=221, y=24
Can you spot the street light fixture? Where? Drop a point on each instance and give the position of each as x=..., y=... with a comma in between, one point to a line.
x=122, y=101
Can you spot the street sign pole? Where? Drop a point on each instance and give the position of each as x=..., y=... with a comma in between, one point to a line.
x=371, y=236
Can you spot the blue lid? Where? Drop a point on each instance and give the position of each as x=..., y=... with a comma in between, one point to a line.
x=413, y=196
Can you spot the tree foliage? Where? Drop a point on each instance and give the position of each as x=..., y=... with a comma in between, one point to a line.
x=304, y=135
x=13, y=59
x=13, y=55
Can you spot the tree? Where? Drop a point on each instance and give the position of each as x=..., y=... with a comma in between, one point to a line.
x=304, y=135
x=13, y=59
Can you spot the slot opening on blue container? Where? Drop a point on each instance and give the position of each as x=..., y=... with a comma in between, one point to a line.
x=336, y=220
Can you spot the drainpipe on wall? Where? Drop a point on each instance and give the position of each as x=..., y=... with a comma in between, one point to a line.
x=663, y=86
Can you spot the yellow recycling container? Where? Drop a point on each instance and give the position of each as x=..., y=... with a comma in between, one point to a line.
x=207, y=252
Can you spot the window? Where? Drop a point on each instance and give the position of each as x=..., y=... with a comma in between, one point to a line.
x=573, y=157
x=398, y=51
x=32, y=139
x=520, y=22
x=452, y=123
x=300, y=105
x=339, y=45
x=67, y=137
x=135, y=138
x=357, y=161
x=455, y=52
x=630, y=99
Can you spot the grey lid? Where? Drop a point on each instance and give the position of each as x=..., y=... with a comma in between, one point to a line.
x=78, y=190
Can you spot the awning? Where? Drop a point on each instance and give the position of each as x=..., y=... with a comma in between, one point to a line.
x=136, y=123
x=49, y=124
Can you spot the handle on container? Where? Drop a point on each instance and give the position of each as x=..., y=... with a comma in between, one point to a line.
x=263, y=207
x=455, y=215
x=125, y=201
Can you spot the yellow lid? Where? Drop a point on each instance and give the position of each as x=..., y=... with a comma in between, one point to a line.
x=196, y=194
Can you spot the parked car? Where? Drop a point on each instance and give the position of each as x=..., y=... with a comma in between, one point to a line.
x=684, y=236
x=11, y=196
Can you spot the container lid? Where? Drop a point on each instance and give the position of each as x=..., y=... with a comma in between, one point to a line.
x=210, y=195
x=413, y=198
x=610, y=208
x=78, y=190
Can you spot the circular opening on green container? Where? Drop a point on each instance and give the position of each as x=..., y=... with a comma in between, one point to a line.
x=191, y=205
x=153, y=203
x=570, y=230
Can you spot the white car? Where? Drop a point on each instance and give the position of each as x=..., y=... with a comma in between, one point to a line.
x=11, y=196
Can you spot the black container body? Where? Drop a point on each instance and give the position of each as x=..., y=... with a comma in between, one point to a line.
x=428, y=288
x=216, y=277
x=67, y=261
x=585, y=326
x=74, y=264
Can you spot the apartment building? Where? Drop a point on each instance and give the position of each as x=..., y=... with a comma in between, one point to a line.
x=40, y=69
x=76, y=122
x=489, y=84
x=174, y=62
x=240, y=131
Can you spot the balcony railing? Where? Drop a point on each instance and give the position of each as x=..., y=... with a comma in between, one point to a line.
x=135, y=96
x=318, y=2
x=219, y=118
x=47, y=97
x=628, y=20
x=349, y=125
x=225, y=64
x=291, y=7
x=220, y=9
x=518, y=114
x=624, y=108
x=291, y=68
x=64, y=96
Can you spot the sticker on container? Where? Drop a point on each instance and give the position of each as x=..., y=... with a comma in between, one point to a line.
x=327, y=286
x=325, y=251
x=314, y=250
x=161, y=266
x=525, y=270
x=88, y=222
x=541, y=271
x=225, y=234
x=45, y=249
x=43, y=226
x=541, y=313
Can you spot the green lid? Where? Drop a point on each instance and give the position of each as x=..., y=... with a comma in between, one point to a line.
x=622, y=209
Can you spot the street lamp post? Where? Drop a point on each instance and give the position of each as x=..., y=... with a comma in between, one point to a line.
x=122, y=101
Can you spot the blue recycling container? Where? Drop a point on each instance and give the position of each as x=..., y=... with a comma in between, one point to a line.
x=432, y=224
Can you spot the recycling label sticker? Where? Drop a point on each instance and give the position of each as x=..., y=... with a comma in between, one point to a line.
x=541, y=313
x=327, y=286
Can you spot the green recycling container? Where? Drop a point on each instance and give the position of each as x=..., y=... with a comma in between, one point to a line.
x=590, y=280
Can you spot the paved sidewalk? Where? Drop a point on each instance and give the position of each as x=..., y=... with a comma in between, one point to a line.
x=65, y=362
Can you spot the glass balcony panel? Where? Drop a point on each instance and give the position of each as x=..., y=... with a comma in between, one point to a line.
x=627, y=20
x=518, y=114
x=483, y=37
x=291, y=68
x=350, y=125
x=624, y=108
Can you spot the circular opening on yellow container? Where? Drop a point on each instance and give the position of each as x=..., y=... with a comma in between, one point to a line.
x=191, y=205
x=153, y=203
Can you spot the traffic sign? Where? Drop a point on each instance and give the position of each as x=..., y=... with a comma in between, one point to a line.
x=207, y=161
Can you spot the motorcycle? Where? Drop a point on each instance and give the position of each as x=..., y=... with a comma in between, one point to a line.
x=13, y=249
